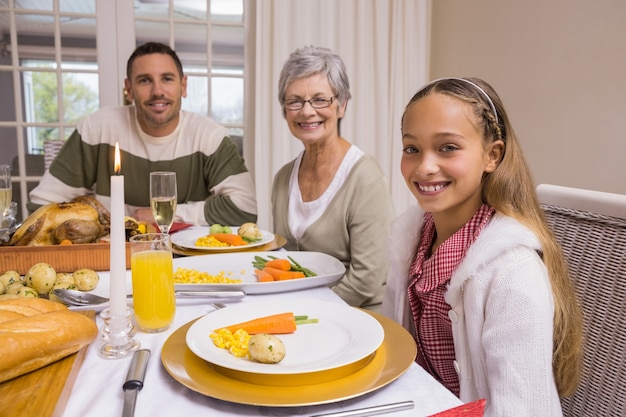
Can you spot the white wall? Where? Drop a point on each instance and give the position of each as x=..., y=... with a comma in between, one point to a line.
x=560, y=68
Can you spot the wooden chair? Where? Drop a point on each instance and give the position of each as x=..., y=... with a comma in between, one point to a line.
x=591, y=228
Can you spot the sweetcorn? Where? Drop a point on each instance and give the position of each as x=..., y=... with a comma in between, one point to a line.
x=210, y=242
x=236, y=343
x=193, y=276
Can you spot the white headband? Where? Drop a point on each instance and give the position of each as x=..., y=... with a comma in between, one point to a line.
x=493, y=108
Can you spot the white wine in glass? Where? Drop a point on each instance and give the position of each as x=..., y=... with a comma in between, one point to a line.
x=6, y=194
x=163, y=199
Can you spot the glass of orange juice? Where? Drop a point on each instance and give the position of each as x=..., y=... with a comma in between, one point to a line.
x=152, y=273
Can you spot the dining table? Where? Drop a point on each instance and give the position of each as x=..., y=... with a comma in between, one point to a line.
x=97, y=389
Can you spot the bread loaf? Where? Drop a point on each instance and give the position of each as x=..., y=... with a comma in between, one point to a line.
x=35, y=332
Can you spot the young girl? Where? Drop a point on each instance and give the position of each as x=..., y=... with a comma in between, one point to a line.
x=475, y=272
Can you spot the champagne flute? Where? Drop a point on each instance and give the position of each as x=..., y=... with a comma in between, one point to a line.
x=163, y=199
x=5, y=190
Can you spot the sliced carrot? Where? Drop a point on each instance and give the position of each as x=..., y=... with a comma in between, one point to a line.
x=280, y=275
x=233, y=240
x=293, y=275
x=282, y=264
x=263, y=276
x=281, y=323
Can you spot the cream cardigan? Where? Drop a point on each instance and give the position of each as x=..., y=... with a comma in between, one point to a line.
x=502, y=315
x=352, y=229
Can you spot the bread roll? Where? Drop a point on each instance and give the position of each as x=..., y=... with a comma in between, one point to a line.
x=44, y=333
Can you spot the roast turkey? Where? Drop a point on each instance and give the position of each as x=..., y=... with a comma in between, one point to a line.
x=82, y=220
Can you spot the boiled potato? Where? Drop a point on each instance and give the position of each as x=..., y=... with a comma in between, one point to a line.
x=266, y=348
x=9, y=277
x=13, y=288
x=86, y=279
x=64, y=277
x=27, y=292
x=64, y=285
x=41, y=277
x=250, y=232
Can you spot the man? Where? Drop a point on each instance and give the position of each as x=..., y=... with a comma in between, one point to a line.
x=154, y=134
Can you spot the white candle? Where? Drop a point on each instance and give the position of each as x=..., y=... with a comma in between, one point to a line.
x=117, y=286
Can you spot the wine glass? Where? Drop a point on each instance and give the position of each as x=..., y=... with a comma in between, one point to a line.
x=5, y=190
x=163, y=199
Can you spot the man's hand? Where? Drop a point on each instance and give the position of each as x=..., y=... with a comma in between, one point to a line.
x=143, y=215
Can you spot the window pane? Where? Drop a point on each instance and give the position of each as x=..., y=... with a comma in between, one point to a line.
x=151, y=32
x=8, y=141
x=227, y=45
x=227, y=100
x=190, y=9
x=151, y=9
x=37, y=63
x=227, y=10
x=81, y=6
x=197, y=93
x=35, y=24
x=78, y=40
x=80, y=96
x=34, y=5
x=40, y=96
x=191, y=44
x=36, y=136
x=68, y=131
x=7, y=104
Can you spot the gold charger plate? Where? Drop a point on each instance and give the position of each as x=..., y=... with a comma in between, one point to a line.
x=278, y=242
x=392, y=359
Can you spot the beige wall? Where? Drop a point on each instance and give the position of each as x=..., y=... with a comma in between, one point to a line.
x=560, y=68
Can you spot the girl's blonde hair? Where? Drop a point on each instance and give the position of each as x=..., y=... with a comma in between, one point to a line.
x=510, y=190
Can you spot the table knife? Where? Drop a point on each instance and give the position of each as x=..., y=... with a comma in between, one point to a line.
x=134, y=380
x=371, y=411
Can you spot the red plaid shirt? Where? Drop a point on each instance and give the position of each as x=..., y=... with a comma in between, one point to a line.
x=428, y=281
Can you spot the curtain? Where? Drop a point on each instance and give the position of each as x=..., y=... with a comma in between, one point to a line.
x=384, y=44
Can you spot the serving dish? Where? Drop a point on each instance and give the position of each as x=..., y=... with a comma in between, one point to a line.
x=238, y=265
x=342, y=336
x=63, y=258
x=394, y=356
x=187, y=239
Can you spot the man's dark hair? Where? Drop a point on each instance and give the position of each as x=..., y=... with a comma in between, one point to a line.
x=153, y=48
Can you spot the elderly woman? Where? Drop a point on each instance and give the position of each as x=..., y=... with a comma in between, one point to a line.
x=333, y=197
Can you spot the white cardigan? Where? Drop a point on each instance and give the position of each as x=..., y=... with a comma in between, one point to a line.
x=502, y=315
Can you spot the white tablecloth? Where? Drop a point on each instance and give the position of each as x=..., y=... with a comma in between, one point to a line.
x=98, y=388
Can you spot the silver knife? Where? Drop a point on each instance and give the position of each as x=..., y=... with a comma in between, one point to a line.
x=210, y=294
x=134, y=380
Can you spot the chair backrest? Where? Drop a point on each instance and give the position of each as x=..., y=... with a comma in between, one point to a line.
x=50, y=150
x=591, y=228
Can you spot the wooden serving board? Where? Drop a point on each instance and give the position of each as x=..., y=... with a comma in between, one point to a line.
x=22, y=396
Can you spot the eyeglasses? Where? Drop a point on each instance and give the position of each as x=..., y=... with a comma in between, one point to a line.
x=316, y=103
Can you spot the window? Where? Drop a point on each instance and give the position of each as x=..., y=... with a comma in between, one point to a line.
x=50, y=76
x=42, y=106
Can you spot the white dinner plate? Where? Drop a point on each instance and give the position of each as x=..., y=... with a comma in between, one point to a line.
x=238, y=265
x=187, y=239
x=342, y=336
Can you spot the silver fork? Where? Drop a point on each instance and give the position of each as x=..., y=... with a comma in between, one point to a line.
x=218, y=306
